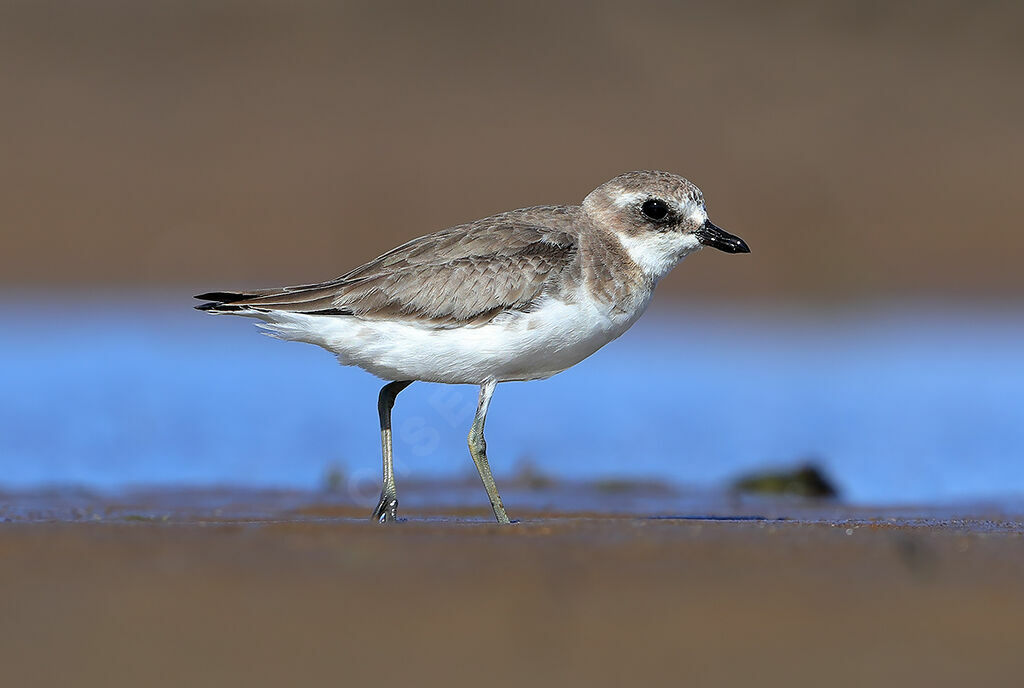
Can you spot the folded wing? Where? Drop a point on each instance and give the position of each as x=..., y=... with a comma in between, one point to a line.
x=463, y=275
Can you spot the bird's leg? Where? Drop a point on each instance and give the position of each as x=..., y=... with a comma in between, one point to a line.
x=478, y=450
x=387, y=508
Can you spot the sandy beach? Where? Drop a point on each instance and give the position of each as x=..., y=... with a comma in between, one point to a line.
x=311, y=594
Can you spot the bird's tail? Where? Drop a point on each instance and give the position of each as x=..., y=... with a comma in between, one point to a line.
x=311, y=299
x=222, y=301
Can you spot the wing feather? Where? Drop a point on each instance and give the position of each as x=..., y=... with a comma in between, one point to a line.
x=462, y=275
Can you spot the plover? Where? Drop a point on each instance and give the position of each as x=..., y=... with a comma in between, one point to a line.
x=520, y=295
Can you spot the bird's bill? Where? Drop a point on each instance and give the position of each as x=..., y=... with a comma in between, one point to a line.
x=716, y=237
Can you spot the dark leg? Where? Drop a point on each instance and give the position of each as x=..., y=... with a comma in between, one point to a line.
x=478, y=450
x=387, y=508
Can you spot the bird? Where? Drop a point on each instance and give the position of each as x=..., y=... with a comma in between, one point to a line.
x=521, y=295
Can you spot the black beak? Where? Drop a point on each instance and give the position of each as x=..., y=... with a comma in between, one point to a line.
x=716, y=237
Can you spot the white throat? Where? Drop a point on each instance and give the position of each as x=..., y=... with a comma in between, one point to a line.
x=657, y=253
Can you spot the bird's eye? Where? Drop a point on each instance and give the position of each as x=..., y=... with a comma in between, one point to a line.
x=655, y=209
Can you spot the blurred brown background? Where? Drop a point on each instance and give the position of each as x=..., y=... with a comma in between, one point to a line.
x=864, y=150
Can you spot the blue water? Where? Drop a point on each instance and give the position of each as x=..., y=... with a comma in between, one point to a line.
x=899, y=405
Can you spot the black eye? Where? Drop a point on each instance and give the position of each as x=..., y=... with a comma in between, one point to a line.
x=655, y=209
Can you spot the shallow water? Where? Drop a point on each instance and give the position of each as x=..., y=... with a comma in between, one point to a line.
x=904, y=405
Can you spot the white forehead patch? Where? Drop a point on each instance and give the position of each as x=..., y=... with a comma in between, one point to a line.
x=696, y=211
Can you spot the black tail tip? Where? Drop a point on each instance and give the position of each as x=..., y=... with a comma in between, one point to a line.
x=220, y=301
x=221, y=296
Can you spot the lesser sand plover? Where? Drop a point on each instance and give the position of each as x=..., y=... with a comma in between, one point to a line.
x=517, y=296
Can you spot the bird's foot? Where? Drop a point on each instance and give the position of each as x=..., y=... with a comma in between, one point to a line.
x=499, y=514
x=387, y=508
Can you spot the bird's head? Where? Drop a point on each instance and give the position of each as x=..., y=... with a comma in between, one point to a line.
x=659, y=217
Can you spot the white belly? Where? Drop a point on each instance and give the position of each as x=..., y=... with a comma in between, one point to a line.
x=513, y=346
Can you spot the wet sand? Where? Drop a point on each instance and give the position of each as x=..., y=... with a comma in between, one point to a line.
x=217, y=588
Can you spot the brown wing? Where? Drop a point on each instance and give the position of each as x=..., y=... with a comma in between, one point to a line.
x=463, y=275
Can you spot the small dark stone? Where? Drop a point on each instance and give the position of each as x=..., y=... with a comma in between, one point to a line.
x=805, y=481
